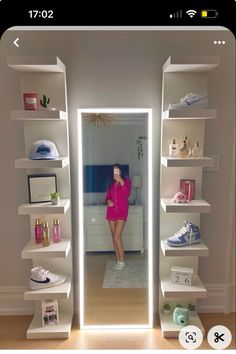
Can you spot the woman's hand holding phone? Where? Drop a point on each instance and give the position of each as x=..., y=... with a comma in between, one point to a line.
x=110, y=203
x=117, y=176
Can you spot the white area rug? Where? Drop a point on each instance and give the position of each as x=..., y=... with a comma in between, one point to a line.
x=134, y=275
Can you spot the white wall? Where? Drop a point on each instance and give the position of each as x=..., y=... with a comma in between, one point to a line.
x=119, y=69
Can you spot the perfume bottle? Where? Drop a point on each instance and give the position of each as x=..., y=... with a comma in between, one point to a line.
x=188, y=143
x=173, y=149
x=46, y=235
x=184, y=150
x=196, y=151
x=38, y=231
x=56, y=231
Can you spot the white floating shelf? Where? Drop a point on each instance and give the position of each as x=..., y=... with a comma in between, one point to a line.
x=198, y=250
x=44, y=208
x=55, y=250
x=55, y=292
x=171, y=330
x=189, y=113
x=39, y=115
x=197, y=290
x=187, y=162
x=60, y=162
x=194, y=206
x=36, y=64
x=191, y=63
x=60, y=330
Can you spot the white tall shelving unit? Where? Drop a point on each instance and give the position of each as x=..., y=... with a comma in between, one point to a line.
x=47, y=75
x=182, y=75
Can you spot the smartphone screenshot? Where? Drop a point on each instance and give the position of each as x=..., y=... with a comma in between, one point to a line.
x=117, y=181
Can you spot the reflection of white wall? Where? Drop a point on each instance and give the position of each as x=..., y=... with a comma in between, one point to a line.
x=117, y=143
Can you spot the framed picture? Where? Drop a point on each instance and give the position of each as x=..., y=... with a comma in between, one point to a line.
x=40, y=187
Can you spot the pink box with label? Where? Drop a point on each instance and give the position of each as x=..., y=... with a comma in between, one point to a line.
x=30, y=101
x=187, y=186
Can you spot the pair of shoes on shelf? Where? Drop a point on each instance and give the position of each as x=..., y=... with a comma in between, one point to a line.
x=189, y=234
x=42, y=279
x=119, y=265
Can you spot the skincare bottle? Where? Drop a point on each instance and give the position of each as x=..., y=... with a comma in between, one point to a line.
x=184, y=150
x=38, y=231
x=56, y=231
x=46, y=235
x=196, y=151
x=173, y=149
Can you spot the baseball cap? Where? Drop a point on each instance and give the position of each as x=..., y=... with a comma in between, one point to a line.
x=43, y=150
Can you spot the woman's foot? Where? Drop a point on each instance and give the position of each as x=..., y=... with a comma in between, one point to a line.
x=119, y=265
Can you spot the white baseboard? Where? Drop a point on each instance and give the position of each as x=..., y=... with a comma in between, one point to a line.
x=220, y=298
x=12, y=301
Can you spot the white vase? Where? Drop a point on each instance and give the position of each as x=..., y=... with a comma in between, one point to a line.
x=167, y=312
x=55, y=201
x=192, y=313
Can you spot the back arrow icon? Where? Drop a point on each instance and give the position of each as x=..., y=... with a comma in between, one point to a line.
x=15, y=42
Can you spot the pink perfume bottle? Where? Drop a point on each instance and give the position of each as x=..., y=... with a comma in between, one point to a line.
x=38, y=231
x=56, y=231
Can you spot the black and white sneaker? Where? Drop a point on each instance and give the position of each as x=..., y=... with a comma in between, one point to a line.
x=42, y=278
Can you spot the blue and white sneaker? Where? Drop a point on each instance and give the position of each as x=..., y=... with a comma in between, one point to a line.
x=189, y=234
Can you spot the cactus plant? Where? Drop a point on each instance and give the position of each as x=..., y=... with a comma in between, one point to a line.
x=45, y=101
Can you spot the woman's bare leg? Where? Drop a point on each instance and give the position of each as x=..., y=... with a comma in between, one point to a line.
x=112, y=225
x=119, y=227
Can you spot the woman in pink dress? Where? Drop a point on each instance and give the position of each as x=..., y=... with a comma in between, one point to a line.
x=117, y=199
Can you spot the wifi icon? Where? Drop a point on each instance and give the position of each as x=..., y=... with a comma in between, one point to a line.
x=191, y=13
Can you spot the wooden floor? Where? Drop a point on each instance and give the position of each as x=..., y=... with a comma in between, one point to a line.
x=13, y=329
x=112, y=306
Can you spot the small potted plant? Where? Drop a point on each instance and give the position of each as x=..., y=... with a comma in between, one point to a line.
x=167, y=309
x=192, y=309
x=55, y=197
x=44, y=102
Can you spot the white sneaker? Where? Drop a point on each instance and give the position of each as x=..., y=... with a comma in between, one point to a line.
x=42, y=278
x=119, y=265
x=190, y=100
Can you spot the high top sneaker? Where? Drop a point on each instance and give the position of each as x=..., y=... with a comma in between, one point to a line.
x=189, y=234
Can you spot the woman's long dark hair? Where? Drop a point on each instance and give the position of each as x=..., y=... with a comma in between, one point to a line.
x=111, y=179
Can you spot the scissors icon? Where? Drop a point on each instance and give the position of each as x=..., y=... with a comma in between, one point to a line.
x=218, y=337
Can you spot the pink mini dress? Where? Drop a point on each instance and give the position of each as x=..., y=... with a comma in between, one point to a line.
x=119, y=195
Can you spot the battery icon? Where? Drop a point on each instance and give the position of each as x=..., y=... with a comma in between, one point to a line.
x=209, y=13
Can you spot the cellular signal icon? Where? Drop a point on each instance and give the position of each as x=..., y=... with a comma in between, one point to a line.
x=191, y=13
x=177, y=14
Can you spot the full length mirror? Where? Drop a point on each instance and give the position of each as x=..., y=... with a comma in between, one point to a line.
x=115, y=200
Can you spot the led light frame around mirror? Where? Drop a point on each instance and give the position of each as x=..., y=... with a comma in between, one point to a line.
x=81, y=218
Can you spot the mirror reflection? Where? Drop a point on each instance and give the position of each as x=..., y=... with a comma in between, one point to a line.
x=115, y=209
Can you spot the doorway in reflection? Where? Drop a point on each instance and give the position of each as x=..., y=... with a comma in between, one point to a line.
x=115, y=205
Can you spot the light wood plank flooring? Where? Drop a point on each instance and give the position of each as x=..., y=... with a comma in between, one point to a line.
x=13, y=329
x=112, y=306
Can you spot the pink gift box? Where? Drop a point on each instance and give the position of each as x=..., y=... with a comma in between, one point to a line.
x=187, y=186
x=30, y=101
